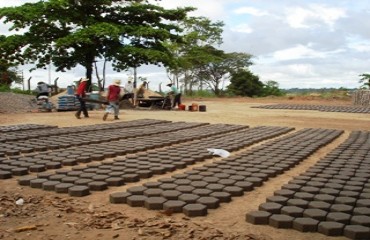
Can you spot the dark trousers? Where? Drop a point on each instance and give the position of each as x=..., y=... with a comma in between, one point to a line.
x=177, y=100
x=82, y=107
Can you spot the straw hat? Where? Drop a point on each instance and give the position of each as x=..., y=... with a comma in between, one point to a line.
x=117, y=82
x=84, y=79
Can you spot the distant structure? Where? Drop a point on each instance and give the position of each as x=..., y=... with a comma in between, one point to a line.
x=361, y=98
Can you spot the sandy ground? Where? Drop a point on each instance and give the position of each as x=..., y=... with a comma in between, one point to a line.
x=47, y=215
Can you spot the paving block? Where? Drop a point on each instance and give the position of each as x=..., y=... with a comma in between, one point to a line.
x=62, y=187
x=303, y=224
x=256, y=181
x=136, y=200
x=19, y=171
x=37, y=168
x=258, y=217
x=185, y=189
x=97, y=185
x=338, y=217
x=152, y=184
x=37, y=183
x=284, y=193
x=325, y=198
x=356, y=232
x=154, y=203
x=202, y=192
x=341, y=208
x=69, y=179
x=222, y=196
x=115, y=181
x=168, y=186
x=195, y=210
x=281, y=221
x=245, y=185
x=270, y=207
x=188, y=198
x=361, y=220
x=130, y=177
x=49, y=185
x=363, y=203
x=174, y=206
x=277, y=199
x=319, y=205
x=215, y=187
x=171, y=194
x=119, y=197
x=137, y=190
x=153, y=192
x=361, y=211
x=317, y=214
x=292, y=211
x=78, y=191
x=83, y=181
x=233, y=190
x=198, y=184
x=346, y=200
x=330, y=228
x=298, y=203
x=24, y=181
x=210, y=202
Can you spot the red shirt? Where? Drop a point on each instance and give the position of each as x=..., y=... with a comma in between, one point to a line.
x=113, y=93
x=81, y=90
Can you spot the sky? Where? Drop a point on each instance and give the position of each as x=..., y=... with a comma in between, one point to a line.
x=296, y=43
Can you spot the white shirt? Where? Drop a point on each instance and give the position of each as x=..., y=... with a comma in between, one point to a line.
x=129, y=88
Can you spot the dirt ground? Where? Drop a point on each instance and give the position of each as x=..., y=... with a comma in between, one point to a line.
x=48, y=215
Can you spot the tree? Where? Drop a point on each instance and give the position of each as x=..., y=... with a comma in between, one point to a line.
x=244, y=83
x=365, y=79
x=222, y=65
x=199, y=33
x=69, y=32
x=271, y=88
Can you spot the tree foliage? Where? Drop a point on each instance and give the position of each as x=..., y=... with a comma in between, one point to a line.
x=365, y=79
x=244, y=83
x=199, y=35
x=68, y=33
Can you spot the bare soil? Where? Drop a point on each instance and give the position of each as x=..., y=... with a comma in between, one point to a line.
x=47, y=215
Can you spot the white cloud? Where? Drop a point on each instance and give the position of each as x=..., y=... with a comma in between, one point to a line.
x=242, y=28
x=297, y=52
x=251, y=11
x=314, y=15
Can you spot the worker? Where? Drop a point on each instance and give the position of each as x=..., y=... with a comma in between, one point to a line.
x=140, y=92
x=113, y=98
x=129, y=91
x=81, y=94
x=42, y=89
x=175, y=95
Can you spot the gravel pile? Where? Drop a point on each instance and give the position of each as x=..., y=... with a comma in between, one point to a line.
x=17, y=103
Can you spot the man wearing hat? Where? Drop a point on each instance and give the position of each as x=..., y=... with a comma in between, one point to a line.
x=176, y=95
x=113, y=98
x=80, y=94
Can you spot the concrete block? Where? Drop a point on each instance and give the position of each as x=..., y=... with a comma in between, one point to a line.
x=258, y=217
x=119, y=197
x=195, y=210
x=303, y=224
x=281, y=221
x=331, y=228
x=78, y=191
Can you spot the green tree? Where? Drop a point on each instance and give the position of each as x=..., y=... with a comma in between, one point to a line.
x=69, y=32
x=245, y=83
x=221, y=66
x=365, y=79
x=271, y=88
x=199, y=33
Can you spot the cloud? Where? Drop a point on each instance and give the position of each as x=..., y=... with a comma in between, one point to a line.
x=313, y=16
x=250, y=11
